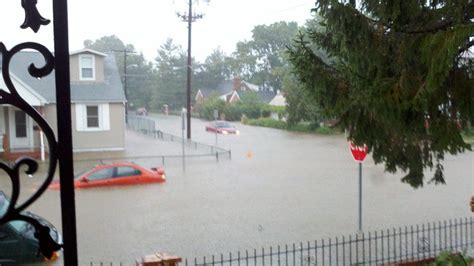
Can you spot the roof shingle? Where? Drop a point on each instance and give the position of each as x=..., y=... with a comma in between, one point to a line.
x=111, y=90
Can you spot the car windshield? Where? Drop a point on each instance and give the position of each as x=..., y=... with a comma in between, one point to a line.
x=223, y=125
x=19, y=226
x=81, y=173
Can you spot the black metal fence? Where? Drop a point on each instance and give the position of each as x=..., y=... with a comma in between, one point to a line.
x=149, y=128
x=409, y=243
x=383, y=247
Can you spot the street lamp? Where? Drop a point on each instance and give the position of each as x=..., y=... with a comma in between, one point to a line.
x=189, y=17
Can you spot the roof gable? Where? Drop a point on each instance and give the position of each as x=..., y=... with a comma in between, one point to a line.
x=25, y=91
x=110, y=90
x=278, y=100
x=87, y=50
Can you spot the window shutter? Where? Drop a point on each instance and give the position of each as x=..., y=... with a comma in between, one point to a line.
x=105, y=116
x=80, y=117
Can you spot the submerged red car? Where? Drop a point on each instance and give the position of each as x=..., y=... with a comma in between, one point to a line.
x=116, y=174
x=222, y=127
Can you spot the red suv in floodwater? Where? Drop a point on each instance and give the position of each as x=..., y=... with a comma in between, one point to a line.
x=116, y=174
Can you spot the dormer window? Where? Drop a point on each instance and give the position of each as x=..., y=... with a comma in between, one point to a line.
x=86, y=66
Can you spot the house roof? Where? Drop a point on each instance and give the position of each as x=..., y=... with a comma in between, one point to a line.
x=110, y=90
x=209, y=92
x=226, y=88
x=251, y=86
x=278, y=100
x=223, y=88
x=87, y=50
x=264, y=96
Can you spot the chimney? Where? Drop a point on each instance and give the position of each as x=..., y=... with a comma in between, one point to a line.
x=236, y=84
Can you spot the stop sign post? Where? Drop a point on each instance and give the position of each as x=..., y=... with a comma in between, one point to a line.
x=359, y=153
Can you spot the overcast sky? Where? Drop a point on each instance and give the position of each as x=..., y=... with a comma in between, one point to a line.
x=147, y=24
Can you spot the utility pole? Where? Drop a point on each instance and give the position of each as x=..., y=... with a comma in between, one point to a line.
x=189, y=17
x=125, y=52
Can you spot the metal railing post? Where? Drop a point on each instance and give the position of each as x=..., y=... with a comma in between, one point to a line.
x=63, y=98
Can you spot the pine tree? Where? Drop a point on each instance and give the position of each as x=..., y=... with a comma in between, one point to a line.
x=399, y=77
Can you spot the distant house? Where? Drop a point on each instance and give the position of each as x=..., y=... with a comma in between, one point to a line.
x=278, y=100
x=232, y=91
x=97, y=105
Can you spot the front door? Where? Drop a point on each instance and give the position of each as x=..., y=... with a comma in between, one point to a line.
x=21, y=130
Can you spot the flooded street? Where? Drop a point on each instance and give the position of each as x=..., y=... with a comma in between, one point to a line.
x=278, y=188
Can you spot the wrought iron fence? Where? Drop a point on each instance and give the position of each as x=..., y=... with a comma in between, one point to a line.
x=409, y=243
x=383, y=247
x=59, y=62
x=149, y=128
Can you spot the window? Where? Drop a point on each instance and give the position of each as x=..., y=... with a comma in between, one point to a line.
x=92, y=117
x=20, y=124
x=92, y=112
x=127, y=171
x=86, y=65
x=102, y=174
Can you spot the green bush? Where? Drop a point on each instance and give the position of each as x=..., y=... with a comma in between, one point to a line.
x=278, y=124
x=267, y=122
x=250, y=110
x=325, y=131
x=266, y=111
x=233, y=112
x=249, y=106
x=206, y=109
x=450, y=259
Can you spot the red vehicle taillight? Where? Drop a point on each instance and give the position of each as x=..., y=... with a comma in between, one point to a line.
x=159, y=170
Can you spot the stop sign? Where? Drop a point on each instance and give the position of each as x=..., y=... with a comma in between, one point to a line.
x=358, y=152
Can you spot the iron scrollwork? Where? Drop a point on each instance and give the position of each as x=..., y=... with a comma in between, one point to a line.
x=15, y=211
x=33, y=18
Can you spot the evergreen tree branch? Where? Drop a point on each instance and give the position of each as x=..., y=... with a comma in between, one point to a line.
x=442, y=24
x=466, y=47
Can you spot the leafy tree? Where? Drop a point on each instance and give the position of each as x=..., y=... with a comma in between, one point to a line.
x=262, y=60
x=270, y=43
x=171, y=76
x=243, y=62
x=250, y=104
x=214, y=70
x=300, y=103
x=206, y=109
x=141, y=81
x=106, y=44
x=399, y=78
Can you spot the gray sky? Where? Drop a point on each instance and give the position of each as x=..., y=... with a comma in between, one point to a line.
x=147, y=24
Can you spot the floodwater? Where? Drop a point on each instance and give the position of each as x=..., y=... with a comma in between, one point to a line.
x=278, y=188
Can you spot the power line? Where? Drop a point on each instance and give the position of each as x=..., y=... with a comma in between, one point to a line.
x=189, y=17
x=125, y=53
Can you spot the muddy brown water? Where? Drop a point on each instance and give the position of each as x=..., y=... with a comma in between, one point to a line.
x=278, y=188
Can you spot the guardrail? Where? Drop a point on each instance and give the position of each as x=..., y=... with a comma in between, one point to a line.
x=148, y=127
